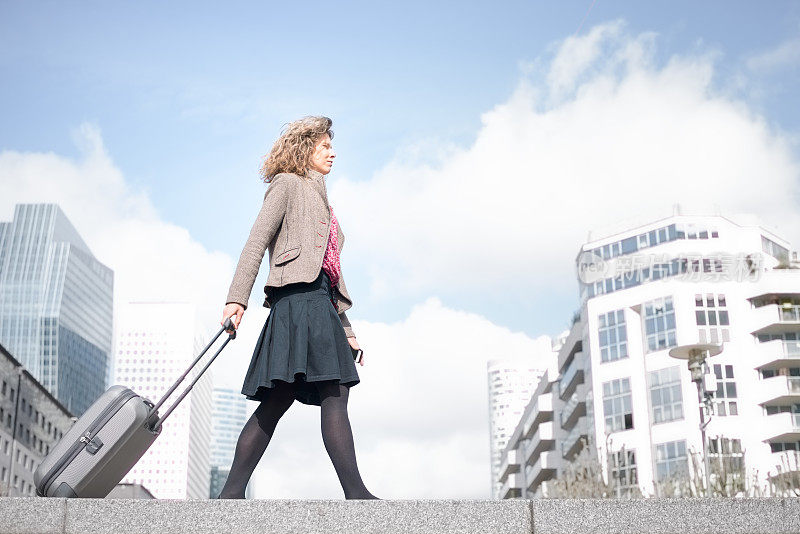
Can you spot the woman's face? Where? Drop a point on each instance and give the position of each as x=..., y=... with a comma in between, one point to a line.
x=322, y=158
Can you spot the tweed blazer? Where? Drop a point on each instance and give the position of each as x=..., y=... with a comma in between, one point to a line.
x=293, y=225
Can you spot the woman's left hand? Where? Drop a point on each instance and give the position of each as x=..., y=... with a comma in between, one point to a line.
x=355, y=345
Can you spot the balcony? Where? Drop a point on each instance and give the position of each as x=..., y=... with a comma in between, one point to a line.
x=779, y=389
x=573, y=443
x=573, y=409
x=510, y=464
x=542, y=440
x=512, y=487
x=777, y=353
x=781, y=427
x=775, y=318
x=572, y=376
x=544, y=469
x=541, y=411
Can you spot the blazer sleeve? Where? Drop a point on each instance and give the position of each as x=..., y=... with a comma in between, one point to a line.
x=261, y=234
x=348, y=330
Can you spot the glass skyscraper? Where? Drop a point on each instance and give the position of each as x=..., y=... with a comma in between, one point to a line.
x=229, y=416
x=56, y=303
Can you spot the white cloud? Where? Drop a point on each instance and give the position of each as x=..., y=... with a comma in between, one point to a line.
x=421, y=407
x=576, y=55
x=786, y=54
x=605, y=132
x=419, y=415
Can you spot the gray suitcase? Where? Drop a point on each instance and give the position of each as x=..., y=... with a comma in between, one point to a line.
x=109, y=438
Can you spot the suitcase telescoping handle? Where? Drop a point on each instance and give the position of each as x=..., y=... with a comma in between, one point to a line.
x=227, y=326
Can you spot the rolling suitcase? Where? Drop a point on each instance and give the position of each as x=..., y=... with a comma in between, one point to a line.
x=109, y=438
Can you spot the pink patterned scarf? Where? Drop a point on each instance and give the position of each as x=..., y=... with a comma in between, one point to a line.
x=330, y=263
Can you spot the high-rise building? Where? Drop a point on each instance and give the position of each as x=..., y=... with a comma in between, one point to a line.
x=552, y=428
x=511, y=382
x=681, y=280
x=529, y=456
x=55, y=305
x=31, y=422
x=155, y=344
x=229, y=416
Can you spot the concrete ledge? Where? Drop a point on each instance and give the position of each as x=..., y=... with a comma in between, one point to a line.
x=546, y=516
x=666, y=516
x=202, y=516
x=32, y=515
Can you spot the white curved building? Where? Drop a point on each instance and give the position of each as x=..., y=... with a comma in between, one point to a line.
x=680, y=280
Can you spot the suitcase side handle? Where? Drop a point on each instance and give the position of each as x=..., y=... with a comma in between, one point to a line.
x=232, y=335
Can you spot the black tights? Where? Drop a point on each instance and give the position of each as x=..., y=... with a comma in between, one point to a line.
x=336, y=435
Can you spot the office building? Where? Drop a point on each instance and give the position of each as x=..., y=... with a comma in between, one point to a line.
x=129, y=491
x=511, y=382
x=681, y=280
x=55, y=305
x=529, y=458
x=32, y=421
x=228, y=417
x=155, y=343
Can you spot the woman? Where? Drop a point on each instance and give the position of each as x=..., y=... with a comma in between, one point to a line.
x=305, y=350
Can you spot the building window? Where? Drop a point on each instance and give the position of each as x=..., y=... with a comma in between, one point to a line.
x=638, y=276
x=659, y=324
x=617, y=405
x=665, y=395
x=671, y=459
x=623, y=472
x=792, y=372
x=774, y=249
x=725, y=396
x=613, y=336
x=711, y=316
x=785, y=446
x=726, y=452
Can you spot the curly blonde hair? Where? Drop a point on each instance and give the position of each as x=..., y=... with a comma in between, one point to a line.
x=293, y=149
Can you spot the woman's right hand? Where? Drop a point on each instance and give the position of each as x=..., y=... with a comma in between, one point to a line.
x=235, y=312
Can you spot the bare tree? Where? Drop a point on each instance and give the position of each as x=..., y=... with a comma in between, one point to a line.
x=586, y=477
x=785, y=481
x=675, y=484
x=728, y=478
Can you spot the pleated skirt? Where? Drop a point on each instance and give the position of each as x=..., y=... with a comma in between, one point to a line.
x=302, y=342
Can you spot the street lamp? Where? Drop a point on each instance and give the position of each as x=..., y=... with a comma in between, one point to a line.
x=696, y=355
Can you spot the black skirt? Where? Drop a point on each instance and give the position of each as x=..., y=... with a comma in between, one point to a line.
x=302, y=342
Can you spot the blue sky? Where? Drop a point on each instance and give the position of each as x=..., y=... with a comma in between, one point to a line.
x=477, y=144
x=189, y=95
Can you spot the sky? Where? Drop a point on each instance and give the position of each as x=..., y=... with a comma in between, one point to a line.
x=478, y=145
